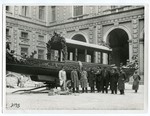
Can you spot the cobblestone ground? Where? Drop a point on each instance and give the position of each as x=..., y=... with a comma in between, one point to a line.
x=82, y=101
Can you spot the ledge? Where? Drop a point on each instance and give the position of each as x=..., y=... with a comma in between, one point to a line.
x=27, y=17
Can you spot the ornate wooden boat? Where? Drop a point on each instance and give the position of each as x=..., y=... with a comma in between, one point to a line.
x=46, y=70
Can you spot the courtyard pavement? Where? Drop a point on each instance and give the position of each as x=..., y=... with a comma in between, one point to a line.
x=81, y=101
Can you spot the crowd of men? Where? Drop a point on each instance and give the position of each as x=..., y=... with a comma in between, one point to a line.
x=99, y=80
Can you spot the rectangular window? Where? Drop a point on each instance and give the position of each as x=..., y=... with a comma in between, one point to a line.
x=24, y=51
x=53, y=13
x=78, y=10
x=40, y=38
x=7, y=8
x=24, y=35
x=25, y=10
x=42, y=12
x=7, y=32
x=40, y=54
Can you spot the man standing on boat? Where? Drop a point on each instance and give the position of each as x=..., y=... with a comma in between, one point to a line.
x=62, y=78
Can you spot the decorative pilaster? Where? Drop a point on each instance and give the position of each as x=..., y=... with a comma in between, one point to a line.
x=16, y=10
x=15, y=40
x=34, y=43
x=99, y=40
x=141, y=56
x=99, y=34
x=135, y=26
x=91, y=34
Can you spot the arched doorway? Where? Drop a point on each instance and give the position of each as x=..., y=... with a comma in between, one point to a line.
x=118, y=41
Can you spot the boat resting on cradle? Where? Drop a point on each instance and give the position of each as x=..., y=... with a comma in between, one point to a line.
x=47, y=71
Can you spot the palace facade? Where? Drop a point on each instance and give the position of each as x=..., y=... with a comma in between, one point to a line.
x=117, y=30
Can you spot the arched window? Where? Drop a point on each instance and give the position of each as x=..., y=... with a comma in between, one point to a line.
x=79, y=37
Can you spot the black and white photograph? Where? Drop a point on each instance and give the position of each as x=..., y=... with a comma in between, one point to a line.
x=74, y=57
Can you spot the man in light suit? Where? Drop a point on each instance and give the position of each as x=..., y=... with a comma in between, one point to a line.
x=62, y=78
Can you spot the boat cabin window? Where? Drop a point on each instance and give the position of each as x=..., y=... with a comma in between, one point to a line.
x=40, y=54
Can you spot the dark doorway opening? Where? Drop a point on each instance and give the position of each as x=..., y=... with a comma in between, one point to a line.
x=118, y=41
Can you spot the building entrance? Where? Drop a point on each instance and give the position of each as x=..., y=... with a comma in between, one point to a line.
x=118, y=41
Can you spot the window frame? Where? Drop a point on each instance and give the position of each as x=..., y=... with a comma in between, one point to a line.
x=7, y=32
x=41, y=54
x=25, y=11
x=24, y=52
x=73, y=13
x=41, y=40
x=41, y=13
x=24, y=37
x=8, y=8
x=53, y=9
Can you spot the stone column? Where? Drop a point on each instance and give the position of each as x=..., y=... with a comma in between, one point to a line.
x=85, y=55
x=105, y=58
x=141, y=57
x=96, y=57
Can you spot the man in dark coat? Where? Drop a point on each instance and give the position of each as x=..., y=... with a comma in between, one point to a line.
x=75, y=80
x=98, y=79
x=114, y=80
x=121, y=81
x=136, y=78
x=91, y=79
x=105, y=80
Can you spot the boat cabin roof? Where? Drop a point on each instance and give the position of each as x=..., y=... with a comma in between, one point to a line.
x=88, y=46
